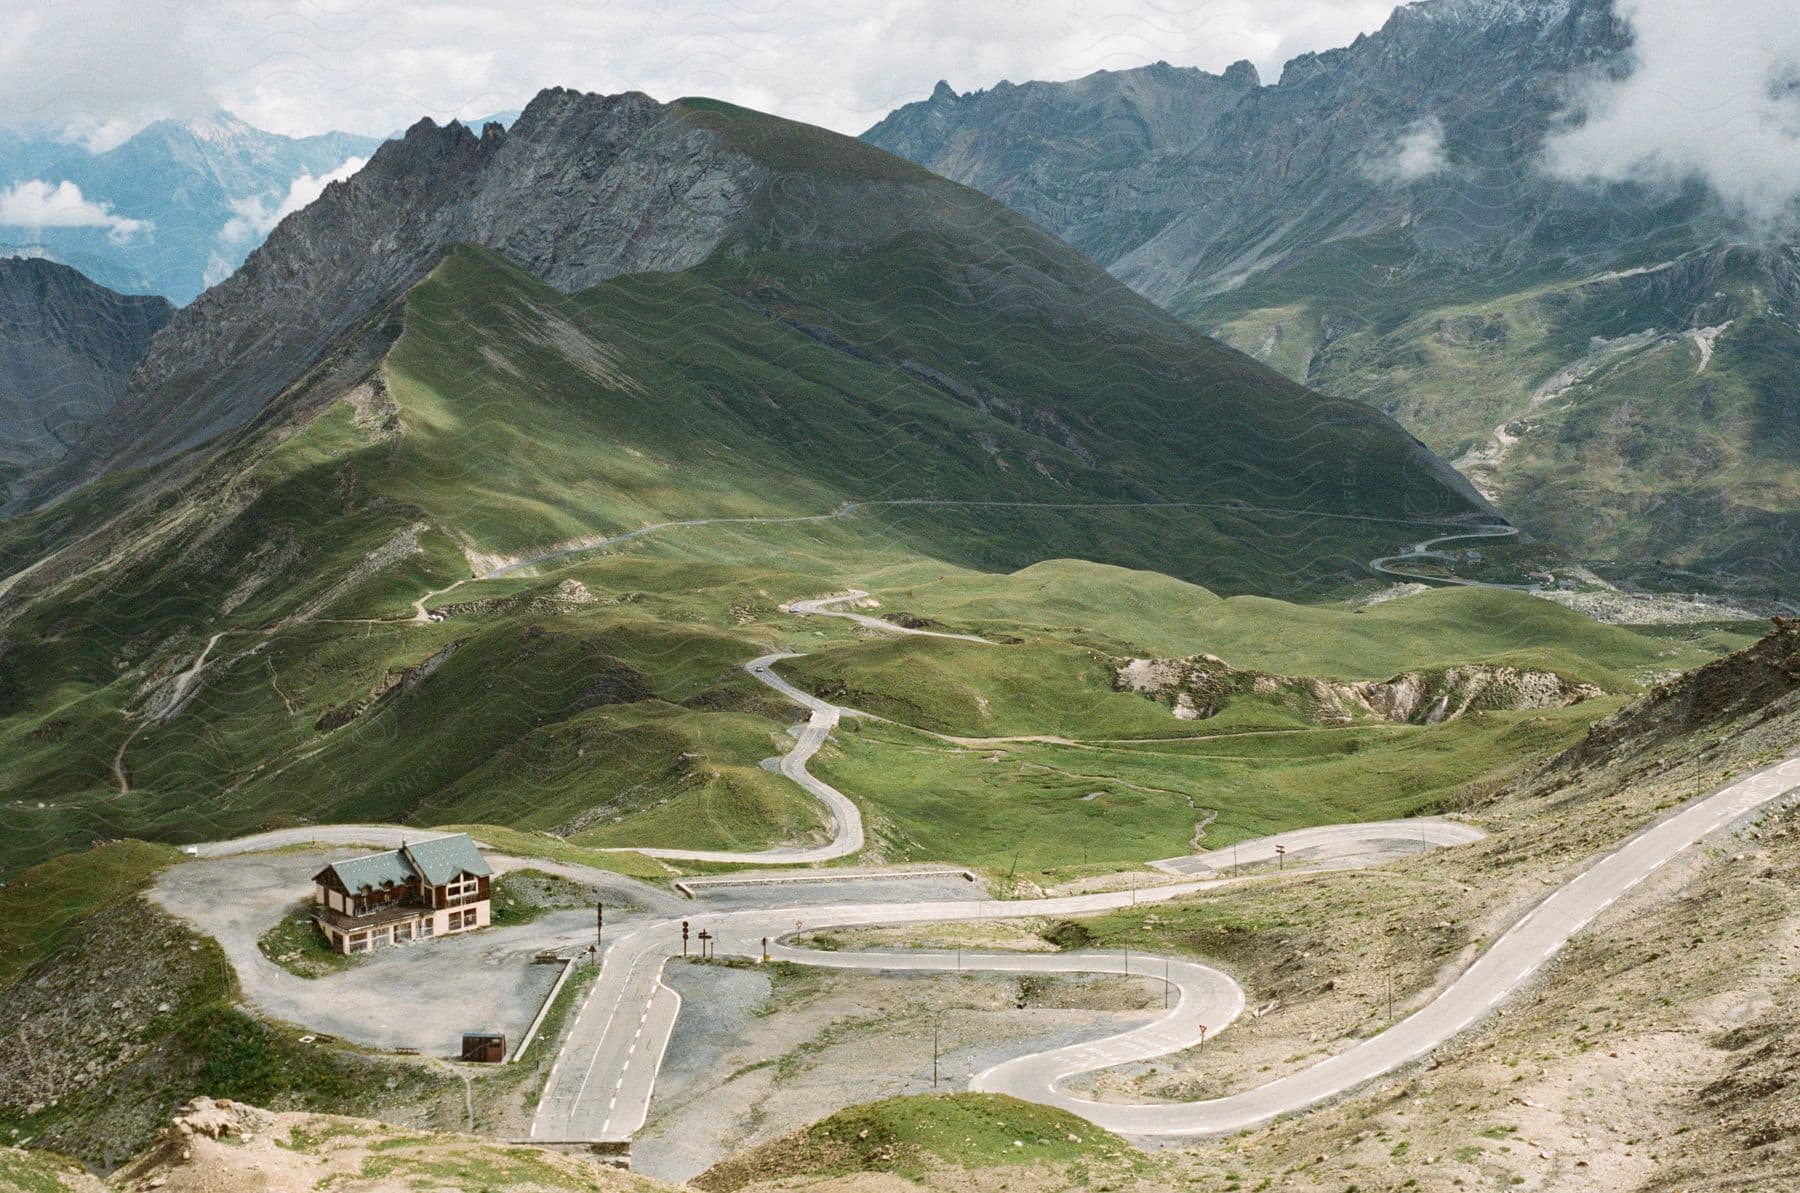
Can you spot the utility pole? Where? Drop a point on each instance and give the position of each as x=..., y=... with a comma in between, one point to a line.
x=936, y=1027
x=1165, y=983
x=1390, y=977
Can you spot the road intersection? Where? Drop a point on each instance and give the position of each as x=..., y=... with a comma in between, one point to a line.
x=602, y=1083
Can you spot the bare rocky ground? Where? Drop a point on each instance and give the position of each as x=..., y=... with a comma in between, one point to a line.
x=762, y=1051
x=225, y=1147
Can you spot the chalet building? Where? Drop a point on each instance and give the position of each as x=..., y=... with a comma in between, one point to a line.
x=432, y=888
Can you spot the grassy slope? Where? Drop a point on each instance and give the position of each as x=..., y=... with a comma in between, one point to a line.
x=920, y=1137
x=71, y=926
x=1054, y=813
x=1138, y=780
x=521, y=418
x=1644, y=459
x=1136, y=613
x=44, y=902
x=781, y=385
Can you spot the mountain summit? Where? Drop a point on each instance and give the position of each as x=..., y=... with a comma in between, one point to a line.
x=585, y=188
x=1604, y=359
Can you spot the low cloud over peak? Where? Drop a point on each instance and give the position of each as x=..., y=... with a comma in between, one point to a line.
x=1713, y=94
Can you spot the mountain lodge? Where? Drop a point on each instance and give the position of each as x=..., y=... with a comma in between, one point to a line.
x=432, y=888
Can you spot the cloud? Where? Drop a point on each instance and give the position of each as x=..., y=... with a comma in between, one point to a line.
x=36, y=204
x=1713, y=94
x=374, y=66
x=95, y=71
x=1417, y=153
x=256, y=217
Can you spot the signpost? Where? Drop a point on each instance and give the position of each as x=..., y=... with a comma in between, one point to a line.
x=705, y=939
x=684, y=934
x=1203, y=1036
x=599, y=927
x=1281, y=857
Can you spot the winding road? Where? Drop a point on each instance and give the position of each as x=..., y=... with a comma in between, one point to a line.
x=602, y=1085
x=1428, y=550
x=846, y=818
x=603, y=1081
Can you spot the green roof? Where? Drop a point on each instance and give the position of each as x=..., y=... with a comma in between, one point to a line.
x=375, y=871
x=443, y=858
x=437, y=861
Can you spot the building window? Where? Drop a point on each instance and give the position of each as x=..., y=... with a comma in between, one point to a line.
x=461, y=890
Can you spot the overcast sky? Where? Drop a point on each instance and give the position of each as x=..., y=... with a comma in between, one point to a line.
x=103, y=68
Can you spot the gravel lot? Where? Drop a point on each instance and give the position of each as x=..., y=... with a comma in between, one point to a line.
x=419, y=996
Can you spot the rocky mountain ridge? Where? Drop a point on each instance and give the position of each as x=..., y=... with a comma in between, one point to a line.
x=67, y=345
x=1185, y=183
x=581, y=189
x=1605, y=359
x=584, y=188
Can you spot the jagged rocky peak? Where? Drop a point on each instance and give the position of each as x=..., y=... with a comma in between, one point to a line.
x=1242, y=75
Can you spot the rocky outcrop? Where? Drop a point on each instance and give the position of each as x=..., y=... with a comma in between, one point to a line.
x=1430, y=697
x=1761, y=681
x=1202, y=686
x=67, y=346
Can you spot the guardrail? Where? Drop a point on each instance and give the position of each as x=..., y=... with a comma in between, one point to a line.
x=687, y=885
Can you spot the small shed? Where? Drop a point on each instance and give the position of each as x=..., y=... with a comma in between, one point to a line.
x=484, y=1047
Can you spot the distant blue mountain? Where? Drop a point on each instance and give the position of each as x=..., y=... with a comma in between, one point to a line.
x=170, y=211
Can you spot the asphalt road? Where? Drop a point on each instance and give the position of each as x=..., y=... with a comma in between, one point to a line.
x=1506, y=966
x=1337, y=844
x=602, y=1083
x=822, y=718
x=823, y=607
x=1427, y=550
x=846, y=818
